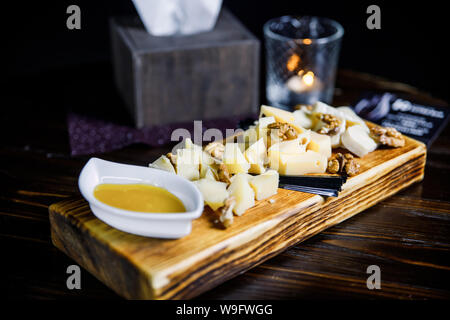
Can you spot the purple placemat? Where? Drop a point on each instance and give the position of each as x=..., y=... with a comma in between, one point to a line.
x=89, y=135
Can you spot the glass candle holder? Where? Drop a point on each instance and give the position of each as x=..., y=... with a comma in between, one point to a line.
x=301, y=59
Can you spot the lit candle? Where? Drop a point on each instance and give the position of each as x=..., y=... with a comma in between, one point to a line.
x=302, y=82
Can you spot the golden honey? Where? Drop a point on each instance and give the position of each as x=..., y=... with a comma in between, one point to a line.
x=138, y=197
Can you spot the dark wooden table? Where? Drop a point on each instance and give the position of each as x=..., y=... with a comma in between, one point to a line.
x=407, y=236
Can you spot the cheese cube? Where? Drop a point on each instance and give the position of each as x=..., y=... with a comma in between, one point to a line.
x=256, y=156
x=234, y=159
x=189, y=156
x=357, y=140
x=242, y=193
x=209, y=174
x=298, y=164
x=188, y=163
x=265, y=185
x=250, y=136
x=208, y=171
x=281, y=115
x=286, y=147
x=214, y=192
x=188, y=144
x=320, y=143
x=261, y=128
x=162, y=163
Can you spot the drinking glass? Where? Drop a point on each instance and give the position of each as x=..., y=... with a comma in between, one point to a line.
x=301, y=59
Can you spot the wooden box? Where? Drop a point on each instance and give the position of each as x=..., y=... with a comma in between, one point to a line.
x=204, y=76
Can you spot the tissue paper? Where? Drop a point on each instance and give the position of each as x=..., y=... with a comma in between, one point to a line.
x=177, y=17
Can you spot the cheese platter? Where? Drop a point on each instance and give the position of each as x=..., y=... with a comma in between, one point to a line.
x=253, y=209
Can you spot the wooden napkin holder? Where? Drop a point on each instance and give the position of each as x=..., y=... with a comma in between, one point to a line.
x=209, y=75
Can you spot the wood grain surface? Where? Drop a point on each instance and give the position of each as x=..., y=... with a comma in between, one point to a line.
x=407, y=235
x=145, y=268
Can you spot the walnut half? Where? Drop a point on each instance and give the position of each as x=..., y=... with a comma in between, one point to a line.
x=226, y=212
x=223, y=174
x=387, y=136
x=331, y=124
x=215, y=149
x=343, y=163
x=284, y=130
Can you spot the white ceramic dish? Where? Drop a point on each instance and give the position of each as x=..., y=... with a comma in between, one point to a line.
x=158, y=225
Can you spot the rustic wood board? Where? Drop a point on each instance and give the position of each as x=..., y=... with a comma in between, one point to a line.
x=145, y=268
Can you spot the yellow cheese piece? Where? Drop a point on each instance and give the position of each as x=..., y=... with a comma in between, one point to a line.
x=261, y=128
x=290, y=146
x=234, y=159
x=162, y=163
x=306, y=162
x=250, y=136
x=281, y=115
x=320, y=143
x=256, y=156
x=188, y=171
x=209, y=174
x=188, y=163
x=214, y=192
x=188, y=144
x=242, y=192
x=287, y=147
x=265, y=185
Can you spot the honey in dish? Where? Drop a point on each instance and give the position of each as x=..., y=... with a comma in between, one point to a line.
x=138, y=197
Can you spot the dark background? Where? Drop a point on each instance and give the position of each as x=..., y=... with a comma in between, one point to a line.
x=51, y=63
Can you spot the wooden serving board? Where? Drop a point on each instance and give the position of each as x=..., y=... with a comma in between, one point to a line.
x=145, y=268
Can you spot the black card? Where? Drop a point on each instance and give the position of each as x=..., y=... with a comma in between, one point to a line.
x=423, y=123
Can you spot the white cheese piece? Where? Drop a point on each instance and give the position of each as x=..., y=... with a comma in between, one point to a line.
x=162, y=163
x=242, y=193
x=352, y=118
x=303, y=119
x=357, y=140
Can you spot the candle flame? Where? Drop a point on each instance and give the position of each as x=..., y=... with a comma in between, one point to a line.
x=293, y=62
x=308, y=78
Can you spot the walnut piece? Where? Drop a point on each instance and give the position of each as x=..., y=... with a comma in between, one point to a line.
x=172, y=158
x=223, y=174
x=226, y=212
x=331, y=124
x=284, y=130
x=215, y=149
x=305, y=107
x=343, y=163
x=387, y=136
